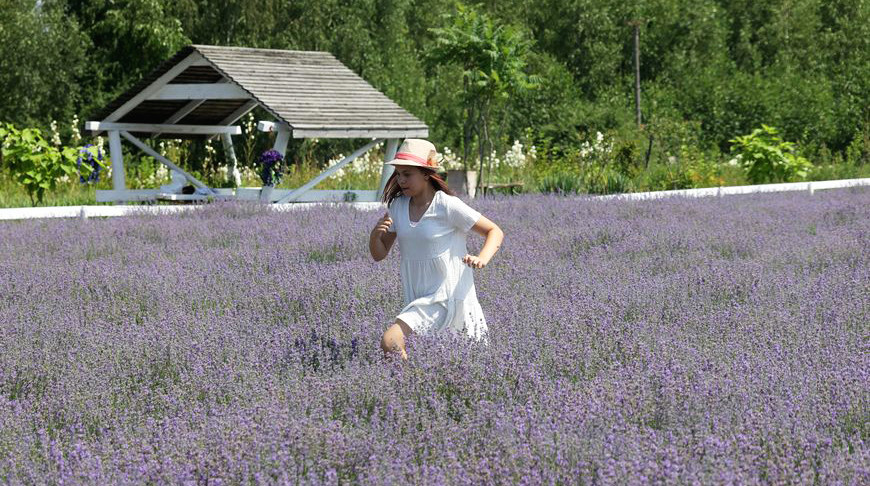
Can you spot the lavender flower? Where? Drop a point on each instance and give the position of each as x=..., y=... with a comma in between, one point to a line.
x=684, y=341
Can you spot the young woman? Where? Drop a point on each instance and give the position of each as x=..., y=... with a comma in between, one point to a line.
x=431, y=224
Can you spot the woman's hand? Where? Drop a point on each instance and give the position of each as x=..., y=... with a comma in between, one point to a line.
x=382, y=225
x=381, y=240
x=473, y=261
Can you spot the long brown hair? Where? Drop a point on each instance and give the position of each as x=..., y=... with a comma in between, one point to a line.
x=392, y=189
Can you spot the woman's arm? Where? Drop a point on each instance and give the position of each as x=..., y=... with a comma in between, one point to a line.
x=381, y=240
x=494, y=236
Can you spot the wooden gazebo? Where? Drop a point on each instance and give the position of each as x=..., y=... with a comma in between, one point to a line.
x=202, y=91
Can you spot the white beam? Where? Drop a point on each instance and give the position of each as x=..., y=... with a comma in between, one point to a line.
x=232, y=163
x=268, y=126
x=215, y=91
x=293, y=196
x=188, y=109
x=153, y=87
x=164, y=128
x=183, y=112
x=327, y=195
x=119, y=181
x=387, y=170
x=281, y=141
x=359, y=133
x=242, y=111
x=150, y=151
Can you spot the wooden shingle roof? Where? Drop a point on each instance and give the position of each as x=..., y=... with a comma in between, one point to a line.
x=311, y=92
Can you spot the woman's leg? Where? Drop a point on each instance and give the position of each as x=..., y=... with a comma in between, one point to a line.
x=393, y=340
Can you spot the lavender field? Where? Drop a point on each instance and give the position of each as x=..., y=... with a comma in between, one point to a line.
x=720, y=340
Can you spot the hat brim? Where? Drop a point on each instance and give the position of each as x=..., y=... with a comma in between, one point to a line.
x=411, y=163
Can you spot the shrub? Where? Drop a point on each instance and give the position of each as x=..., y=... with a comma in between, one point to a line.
x=766, y=157
x=605, y=180
x=34, y=162
x=560, y=183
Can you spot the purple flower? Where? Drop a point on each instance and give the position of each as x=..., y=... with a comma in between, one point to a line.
x=271, y=167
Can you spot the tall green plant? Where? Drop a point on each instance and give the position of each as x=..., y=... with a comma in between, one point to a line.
x=766, y=157
x=34, y=162
x=493, y=58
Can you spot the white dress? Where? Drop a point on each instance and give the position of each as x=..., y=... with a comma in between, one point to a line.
x=438, y=287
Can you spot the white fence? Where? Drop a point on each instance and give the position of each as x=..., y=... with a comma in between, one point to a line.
x=810, y=187
x=108, y=211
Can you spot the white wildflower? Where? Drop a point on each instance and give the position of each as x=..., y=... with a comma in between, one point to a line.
x=514, y=157
x=448, y=160
x=340, y=172
x=55, y=135
x=76, y=134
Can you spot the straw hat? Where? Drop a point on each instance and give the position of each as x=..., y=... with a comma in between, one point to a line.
x=418, y=153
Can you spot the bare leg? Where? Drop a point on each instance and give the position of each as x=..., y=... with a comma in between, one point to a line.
x=393, y=340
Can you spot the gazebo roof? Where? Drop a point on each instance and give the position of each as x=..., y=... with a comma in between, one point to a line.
x=310, y=92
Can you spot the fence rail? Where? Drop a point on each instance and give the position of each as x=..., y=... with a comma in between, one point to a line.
x=111, y=211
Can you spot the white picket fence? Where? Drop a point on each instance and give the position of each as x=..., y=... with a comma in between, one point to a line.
x=110, y=211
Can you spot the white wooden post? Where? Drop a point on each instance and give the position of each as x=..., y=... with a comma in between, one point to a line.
x=232, y=170
x=119, y=181
x=281, y=141
x=387, y=171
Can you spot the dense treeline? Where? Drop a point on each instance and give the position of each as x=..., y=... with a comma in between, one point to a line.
x=710, y=70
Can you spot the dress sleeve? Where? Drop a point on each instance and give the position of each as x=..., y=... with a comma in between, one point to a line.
x=461, y=215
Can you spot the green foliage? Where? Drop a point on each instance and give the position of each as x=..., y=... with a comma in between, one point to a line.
x=493, y=59
x=493, y=56
x=34, y=163
x=766, y=157
x=130, y=38
x=560, y=183
x=43, y=64
x=605, y=179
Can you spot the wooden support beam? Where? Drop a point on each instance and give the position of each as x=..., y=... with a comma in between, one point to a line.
x=232, y=163
x=293, y=196
x=119, y=181
x=168, y=163
x=158, y=83
x=314, y=195
x=234, y=116
x=186, y=110
x=281, y=141
x=242, y=111
x=95, y=126
x=213, y=91
x=358, y=133
x=268, y=126
x=387, y=171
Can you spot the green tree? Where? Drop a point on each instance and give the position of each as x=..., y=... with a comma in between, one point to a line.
x=493, y=58
x=42, y=63
x=130, y=38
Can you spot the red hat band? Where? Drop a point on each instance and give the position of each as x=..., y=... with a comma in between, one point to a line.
x=412, y=157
